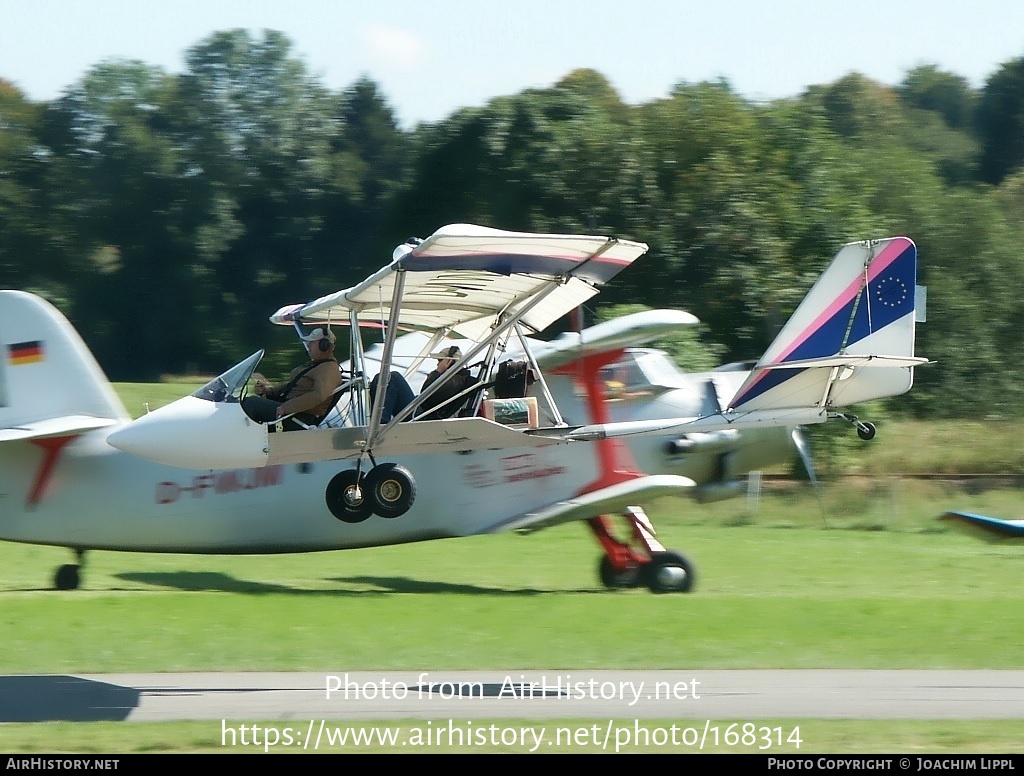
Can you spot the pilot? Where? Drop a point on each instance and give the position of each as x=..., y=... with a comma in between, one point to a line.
x=445, y=360
x=308, y=393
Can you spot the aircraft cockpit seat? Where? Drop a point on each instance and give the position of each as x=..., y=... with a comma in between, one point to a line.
x=513, y=380
x=510, y=405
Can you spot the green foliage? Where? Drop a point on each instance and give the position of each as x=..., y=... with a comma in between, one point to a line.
x=168, y=215
x=947, y=94
x=1001, y=122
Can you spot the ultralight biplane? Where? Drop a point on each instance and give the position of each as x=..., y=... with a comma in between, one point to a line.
x=535, y=440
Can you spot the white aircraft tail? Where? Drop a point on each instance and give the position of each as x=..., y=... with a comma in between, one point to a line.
x=50, y=384
x=850, y=340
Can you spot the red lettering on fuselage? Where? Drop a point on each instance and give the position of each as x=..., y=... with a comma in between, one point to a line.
x=220, y=483
x=512, y=468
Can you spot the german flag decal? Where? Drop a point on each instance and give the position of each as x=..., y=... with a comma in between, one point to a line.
x=25, y=353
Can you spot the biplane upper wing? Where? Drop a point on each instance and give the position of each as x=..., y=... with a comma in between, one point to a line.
x=464, y=276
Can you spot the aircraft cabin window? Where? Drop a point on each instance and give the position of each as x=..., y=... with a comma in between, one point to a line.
x=657, y=367
x=624, y=378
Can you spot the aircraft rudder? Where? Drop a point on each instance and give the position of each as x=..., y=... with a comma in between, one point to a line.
x=863, y=304
x=867, y=286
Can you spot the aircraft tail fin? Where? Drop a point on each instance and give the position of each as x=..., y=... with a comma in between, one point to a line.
x=850, y=340
x=50, y=384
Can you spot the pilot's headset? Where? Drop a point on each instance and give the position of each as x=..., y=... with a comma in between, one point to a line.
x=326, y=341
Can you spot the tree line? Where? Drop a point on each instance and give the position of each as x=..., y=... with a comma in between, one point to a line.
x=169, y=215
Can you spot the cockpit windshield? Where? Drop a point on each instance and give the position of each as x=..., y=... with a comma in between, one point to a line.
x=228, y=386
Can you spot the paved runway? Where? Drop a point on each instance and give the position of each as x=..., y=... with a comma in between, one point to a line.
x=479, y=695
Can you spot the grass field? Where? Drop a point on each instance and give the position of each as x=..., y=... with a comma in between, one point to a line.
x=138, y=396
x=861, y=576
x=768, y=596
x=797, y=597
x=907, y=737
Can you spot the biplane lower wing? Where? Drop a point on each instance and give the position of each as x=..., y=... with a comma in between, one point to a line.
x=423, y=436
x=720, y=421
x=466, y=434
x=614, y=498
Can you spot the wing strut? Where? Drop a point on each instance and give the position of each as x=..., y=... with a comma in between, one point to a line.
x=506, y=321
x=373, y=430
x=552, y=406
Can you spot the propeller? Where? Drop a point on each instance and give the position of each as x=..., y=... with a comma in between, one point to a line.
x=802, y=444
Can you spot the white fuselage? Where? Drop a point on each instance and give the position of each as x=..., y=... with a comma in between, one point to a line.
x=102, y=498
x=98, y=497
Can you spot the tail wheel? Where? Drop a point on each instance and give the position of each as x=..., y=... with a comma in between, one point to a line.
x=346, y=497
x=669, y=572
x=616, y=578
x=391, y=488
x=866, y=431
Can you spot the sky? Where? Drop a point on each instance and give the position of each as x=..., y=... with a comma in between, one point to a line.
x=432, y=57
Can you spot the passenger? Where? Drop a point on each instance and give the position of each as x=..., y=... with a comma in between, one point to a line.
x=309, y=392
x=445, y=360
x=397, y=395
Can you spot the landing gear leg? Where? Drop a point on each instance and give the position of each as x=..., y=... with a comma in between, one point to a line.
x=642, y=560
x=67, y=577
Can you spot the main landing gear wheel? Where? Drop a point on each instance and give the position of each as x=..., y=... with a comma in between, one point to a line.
x=615, y=578
x=669, y=572
x=391, y=488
x=346, y=497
